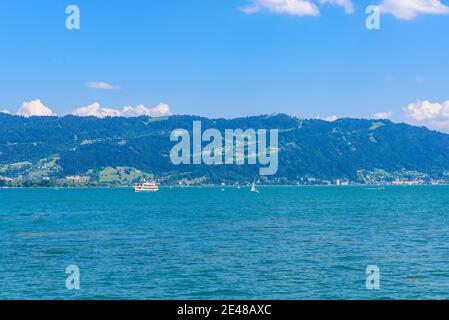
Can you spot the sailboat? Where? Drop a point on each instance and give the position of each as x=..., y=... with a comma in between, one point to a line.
x=254, y=189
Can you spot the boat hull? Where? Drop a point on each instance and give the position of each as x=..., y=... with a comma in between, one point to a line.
x=144, y=190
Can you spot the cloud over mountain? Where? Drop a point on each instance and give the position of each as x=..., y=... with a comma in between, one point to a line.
x=433, y=115
x=34, y=108
x=383, y=115
x=96, y=110
x=330, y=118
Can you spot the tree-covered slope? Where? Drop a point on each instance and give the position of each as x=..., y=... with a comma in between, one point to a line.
x=56, y=147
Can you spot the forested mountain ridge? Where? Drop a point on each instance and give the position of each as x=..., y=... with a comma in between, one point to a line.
x=123, y=150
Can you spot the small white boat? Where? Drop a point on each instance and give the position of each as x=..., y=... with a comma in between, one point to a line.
x=254, y=189
x=146, y=186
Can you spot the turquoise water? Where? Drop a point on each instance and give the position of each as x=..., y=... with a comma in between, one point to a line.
x=204, y=243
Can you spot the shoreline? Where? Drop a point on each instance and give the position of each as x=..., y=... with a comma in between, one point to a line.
x=232, y=187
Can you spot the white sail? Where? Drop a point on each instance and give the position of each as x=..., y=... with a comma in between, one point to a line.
x=254, y=189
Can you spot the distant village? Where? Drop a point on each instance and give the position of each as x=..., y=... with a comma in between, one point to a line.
x=375, y=178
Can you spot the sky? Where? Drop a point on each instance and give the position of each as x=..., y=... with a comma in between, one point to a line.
x=217, y=58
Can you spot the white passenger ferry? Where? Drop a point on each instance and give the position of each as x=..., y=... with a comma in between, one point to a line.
x=146, y=186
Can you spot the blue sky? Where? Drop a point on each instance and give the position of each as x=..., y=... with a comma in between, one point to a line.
x=229, y=58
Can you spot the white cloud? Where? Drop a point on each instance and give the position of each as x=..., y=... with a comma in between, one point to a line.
x=330, y=118
x=410, y=9
x=34, y=108
x=432, y=115
x=401, y=9
x=383, y=115
x=426, y=110
x=102, y=86
x=346, y=4
x=291, y=7
x=4, y=111
x=96, y=110
x=162, y=109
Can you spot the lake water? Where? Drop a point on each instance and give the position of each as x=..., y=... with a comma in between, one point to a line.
x=204, y=243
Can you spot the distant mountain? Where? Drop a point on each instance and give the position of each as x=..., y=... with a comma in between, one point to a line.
x=41, y=150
